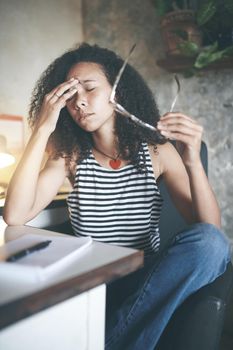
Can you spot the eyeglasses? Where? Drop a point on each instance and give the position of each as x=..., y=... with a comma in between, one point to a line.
x=177, y=93
x=121, y=110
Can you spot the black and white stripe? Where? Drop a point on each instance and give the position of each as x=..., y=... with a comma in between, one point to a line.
x=116, y=206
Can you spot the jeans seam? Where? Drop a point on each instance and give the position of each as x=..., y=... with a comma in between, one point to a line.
x=142, y=294
x=137, y=302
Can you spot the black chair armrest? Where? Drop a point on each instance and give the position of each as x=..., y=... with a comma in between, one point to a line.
x=198, y=322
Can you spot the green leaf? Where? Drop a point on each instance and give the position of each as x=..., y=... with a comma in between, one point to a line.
x=189, y=48
x=206, y=12
x=228, y=51
x=202, y=60
x=205, y=58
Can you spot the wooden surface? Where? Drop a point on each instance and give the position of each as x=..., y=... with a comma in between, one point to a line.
x=100, y=264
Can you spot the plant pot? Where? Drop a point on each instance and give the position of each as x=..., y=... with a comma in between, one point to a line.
x=177, y=27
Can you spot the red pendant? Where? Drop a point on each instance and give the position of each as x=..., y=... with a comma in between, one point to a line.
x=115, y=163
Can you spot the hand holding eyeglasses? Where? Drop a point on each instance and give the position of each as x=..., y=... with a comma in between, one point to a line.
x=173, y=125
x=186, y=132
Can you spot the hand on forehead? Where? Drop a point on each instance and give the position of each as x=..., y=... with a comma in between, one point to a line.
x=80, y=82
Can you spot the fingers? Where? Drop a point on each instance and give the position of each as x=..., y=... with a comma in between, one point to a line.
x=181, y=116
x=61, y=89
x=186, y=132
x=180, y=127
x=191, y=140
x=180, y=124
x=61, y=100
x=56, y=99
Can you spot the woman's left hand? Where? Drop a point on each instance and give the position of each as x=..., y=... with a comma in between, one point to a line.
x=186, y=132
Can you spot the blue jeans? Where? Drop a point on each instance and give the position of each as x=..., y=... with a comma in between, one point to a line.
x=140, y=305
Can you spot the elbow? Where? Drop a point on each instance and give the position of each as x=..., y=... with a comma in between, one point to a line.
x=11, y=219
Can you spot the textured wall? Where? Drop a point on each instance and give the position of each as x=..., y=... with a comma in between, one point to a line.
x=117, y=24
x=32, y=34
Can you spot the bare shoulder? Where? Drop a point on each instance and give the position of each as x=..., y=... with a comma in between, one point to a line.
x=163, y=157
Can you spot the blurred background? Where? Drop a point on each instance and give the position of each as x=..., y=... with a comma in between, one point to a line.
x=33, y=33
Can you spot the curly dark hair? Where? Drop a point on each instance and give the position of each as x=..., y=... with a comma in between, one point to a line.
x=132, y=92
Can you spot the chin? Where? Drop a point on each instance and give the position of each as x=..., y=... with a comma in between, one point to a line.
x=89, y=127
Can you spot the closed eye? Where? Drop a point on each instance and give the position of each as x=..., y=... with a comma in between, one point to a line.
x=90, y=89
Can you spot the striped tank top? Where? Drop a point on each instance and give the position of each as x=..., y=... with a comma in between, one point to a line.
x=120, y=206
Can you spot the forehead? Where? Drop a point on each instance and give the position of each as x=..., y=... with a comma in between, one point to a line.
x=86, y=71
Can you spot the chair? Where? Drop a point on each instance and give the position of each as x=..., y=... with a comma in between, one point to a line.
x=198, y=323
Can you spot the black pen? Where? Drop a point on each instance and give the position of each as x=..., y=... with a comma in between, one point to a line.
x=29, y=250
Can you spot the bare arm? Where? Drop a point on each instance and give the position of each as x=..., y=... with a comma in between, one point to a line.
x=184, y=175
x=30, y=189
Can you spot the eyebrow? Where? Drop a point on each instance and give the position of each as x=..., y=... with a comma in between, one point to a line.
x=88, y=80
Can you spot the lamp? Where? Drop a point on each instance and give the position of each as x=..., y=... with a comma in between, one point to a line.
x=6, y=159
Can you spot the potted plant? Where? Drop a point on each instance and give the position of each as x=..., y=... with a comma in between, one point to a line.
x=177, y=20
x=207, y=38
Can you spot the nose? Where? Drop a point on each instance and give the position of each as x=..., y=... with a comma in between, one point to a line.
x=80, y=99
x=80, y=103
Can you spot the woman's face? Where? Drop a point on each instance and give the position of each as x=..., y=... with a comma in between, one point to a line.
x=90, y=107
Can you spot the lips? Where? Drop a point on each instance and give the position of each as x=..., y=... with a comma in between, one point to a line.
x=83, y=115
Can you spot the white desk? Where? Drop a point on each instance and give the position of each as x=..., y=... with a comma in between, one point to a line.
x=68, y=311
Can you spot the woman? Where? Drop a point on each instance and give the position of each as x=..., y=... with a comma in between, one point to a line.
x=113, y=166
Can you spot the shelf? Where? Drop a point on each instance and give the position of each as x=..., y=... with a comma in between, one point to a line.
x=176, y=64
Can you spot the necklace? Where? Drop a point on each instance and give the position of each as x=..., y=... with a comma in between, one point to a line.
x=114, y=162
